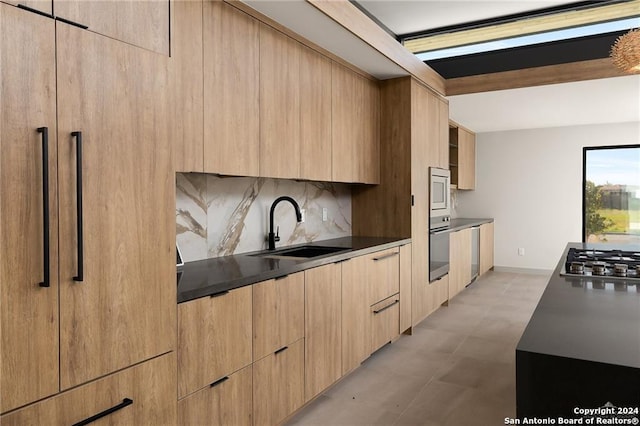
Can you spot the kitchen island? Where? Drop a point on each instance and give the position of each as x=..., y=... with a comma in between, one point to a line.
x=581, y=348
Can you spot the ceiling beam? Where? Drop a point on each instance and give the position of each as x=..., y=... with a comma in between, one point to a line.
x=526, y=26
x=552, y=74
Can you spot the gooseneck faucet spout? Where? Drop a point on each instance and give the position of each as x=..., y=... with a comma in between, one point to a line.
x=273, y=237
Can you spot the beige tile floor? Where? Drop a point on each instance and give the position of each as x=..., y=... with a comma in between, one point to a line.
x=458, y=367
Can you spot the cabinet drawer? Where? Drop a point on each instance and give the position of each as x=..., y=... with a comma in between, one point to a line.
x=225, y=402
x=278, y=384
x=385, y=322
x=140, y=395
x=278, y=313
x=214, y=338
x=384, y=274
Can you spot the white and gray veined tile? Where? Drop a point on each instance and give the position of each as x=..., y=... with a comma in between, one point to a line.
x=191, y=215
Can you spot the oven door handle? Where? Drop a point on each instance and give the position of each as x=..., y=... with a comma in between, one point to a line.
x=444, y=231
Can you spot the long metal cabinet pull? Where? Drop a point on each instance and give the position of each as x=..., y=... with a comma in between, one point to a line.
x=78, y=136
x=45, y=207
x=125, y=402
x=395, y=302
x=386, y=256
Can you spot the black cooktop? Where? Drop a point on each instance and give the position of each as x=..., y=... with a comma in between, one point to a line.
x=614, y=263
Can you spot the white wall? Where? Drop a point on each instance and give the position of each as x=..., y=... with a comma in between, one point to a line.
x=530, y=181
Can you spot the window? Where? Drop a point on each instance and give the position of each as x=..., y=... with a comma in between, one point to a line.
x=611, y=194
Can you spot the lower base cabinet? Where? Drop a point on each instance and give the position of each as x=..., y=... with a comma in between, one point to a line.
x=278, y=384
x=385, y=322
x=140, y=395
x=224, y=402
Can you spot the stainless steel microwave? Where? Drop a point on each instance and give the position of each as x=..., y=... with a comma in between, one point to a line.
x=439, y=198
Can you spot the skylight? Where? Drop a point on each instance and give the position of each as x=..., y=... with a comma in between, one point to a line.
x=545, y=37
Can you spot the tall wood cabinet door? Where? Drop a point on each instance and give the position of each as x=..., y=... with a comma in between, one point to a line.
x=323, y=328
x=231, y=89
x=278, y=313
x=345, y=131
x=486, y=247
x=140, y=23
x=279, y=104
x=187, y=85
x=367, y=153
x=356, y=320
x=227, y=401
x=315, y=116
x=123, y=309
x=139, y=395
x=214, y=338
x=278, y=385
x=28, y=312
x=420, y=192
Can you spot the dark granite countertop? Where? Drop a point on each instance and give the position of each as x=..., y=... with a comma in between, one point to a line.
x=216, y=275
x=461, y=223
x=582, y=318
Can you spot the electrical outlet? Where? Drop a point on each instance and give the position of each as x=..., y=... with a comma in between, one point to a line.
x=521, y=251
x=303, y=215
x=324, y=214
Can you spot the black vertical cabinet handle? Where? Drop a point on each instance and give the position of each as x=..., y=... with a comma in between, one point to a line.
x=45, y=206
x=125, y=402
x=80, y=233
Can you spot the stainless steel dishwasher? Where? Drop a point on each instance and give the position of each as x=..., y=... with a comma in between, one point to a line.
x=475, y=252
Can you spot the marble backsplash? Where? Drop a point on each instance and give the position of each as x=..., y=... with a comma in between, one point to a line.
x=219, y=216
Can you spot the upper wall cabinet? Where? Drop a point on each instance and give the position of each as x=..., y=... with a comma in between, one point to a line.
x=187, y=85
x=355, y=116
x=462, y=153
x=231, y=89
x=141, y=23
x=315, y=116
x=279, y=104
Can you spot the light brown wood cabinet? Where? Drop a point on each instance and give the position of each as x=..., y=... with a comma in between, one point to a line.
x=228, y=401
x=356, y=321
x=231, y=90
x=462, y=152
x=383, y=274
x=187, y=85
x=278, y=314
x=214, y=338
x=459, y=261
x=278, y=384
x=123, y=297
x=486, y=247
x=413, y=133
x=143, y=395
x=385, y=322
x=355, y=140
x=315, y=116
x=323, y=328
x=279, y=104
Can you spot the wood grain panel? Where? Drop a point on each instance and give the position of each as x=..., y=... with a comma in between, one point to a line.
x=278, y=385
x=315, y=116
x=214, y=338
x=227, y=403
x=405, y=288
x=383, y=274
x=323, y=328
x=344, y=129
x=124, y=310
x=278, y=314
x=367, y=154
x=356, y=321
x=466, y=159
x=385, y=322
x=486, y=247
x=151, y=386
x=187, y=85
x=231, y=91
x=279, y=105
x=41, y=5
x=29, y=313
x=443, y=134
x=141, y=23
x=529, y=77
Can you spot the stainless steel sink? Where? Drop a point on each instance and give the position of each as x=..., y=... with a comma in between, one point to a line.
x=302, y=252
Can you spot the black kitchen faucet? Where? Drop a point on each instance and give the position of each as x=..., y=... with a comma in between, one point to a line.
x=275, y=237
